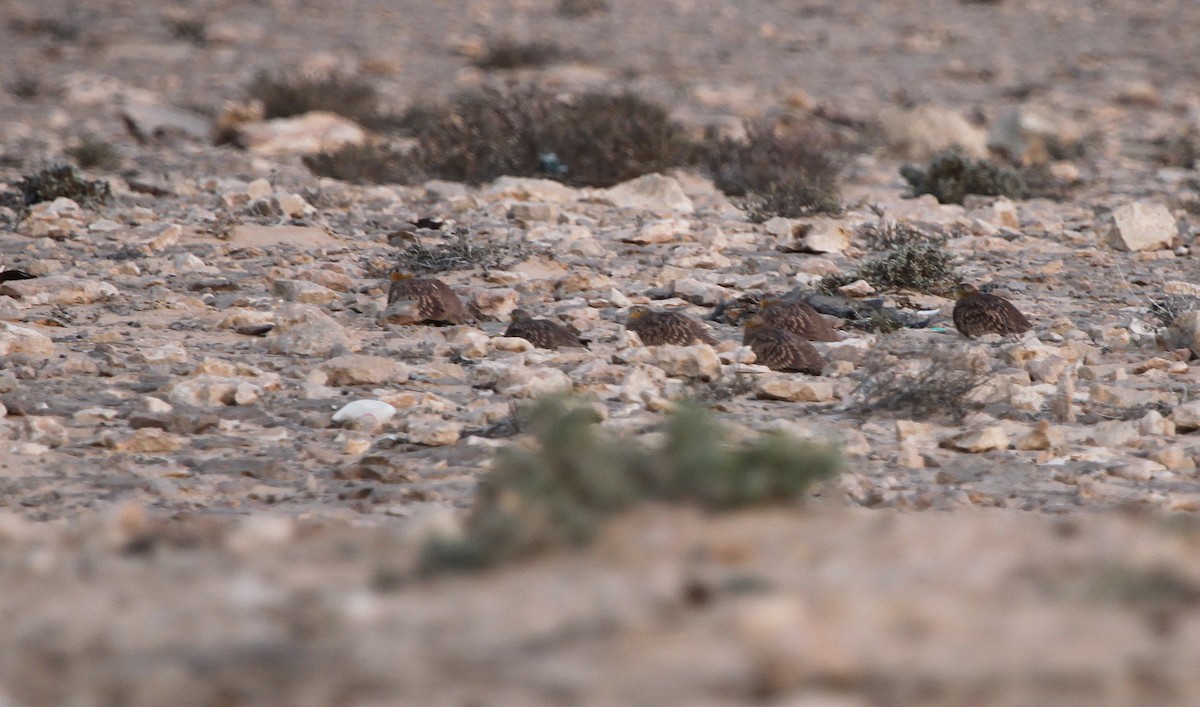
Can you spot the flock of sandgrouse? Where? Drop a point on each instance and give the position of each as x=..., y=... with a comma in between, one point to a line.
x=778, y=333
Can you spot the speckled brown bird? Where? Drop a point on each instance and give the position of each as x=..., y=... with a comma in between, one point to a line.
x=436, y=302
x=781, y=350
x=798, y=318
x=976, y=313
x=542, y=333
x=663, y=328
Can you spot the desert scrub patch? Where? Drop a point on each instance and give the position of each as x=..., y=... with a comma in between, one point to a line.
x=64, y=180
x=507, y=53
x=888, y=233
x=462, y=251
x=560, y=491
x=579, y=9
x=950, y=176
x=928, y=382
x=94, y=154
x=365, y=164
x=920, y=267
x=592, y=139
x=774, y=175
x=288, y=93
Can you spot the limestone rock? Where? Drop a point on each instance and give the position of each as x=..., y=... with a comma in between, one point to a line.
x=16, y=339
x=813, y=235
x=1141, y=226
x=359, y=369
x=432, y=430
x=796, y=390
x=304, y=330
x=59, y=290
x=316, y=131
x=1186, y=416
x=976, y=441
x=698, y=362
x=528, y=382
x=920, y=133
x=650, y=192
x=303, y=291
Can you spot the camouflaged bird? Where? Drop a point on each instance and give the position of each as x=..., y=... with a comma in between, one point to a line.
x=663, y=328
x=435, y=302
x=542, y=333
x=976, y=313
x=781, y=350
x=798, y=318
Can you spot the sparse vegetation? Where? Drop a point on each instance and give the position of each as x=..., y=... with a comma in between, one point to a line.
x=932, y=382
x=951, y=176
x=366, y=164
x=64, y=180
x=25, y=86
x=577, y=9
x=1168, y=307
x=888, y=233
x=462, y=252
x=188, y=28
x=921, y=267
x=289, y=93
x=511, y=54
x=597, y=139
x=774, y=175
x=561, y=492
x=94, y=154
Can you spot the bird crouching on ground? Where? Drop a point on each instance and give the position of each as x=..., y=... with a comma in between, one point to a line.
x=977, y=313
x=781, y=350
x=798, y=318
x=422, y=300
x=543, y=333
x=667, y=328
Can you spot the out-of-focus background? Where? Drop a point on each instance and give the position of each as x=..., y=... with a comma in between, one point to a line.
x=200, y=204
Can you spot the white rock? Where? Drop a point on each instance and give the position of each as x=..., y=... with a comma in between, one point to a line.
x=529, y=382
x=167, y=353
x=316, y=131
x=497, y=303
x=698, y=362
x=511, y=343
x=650, y=192
x=1141, y=226
x=371, y=411
x=813, y=235
x=432, y=430
x=59, y=290
x=665, y=230
x=16, y=339
x=976, y=441
x=921, y=132
x=303, y=329
x=212, y=391
x=795, y=390
x=1186, y=416
x=530, y=189
x=359, y=369
x=303, y=291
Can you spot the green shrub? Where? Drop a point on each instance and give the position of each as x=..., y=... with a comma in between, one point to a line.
x=561, y=492
x=950, y=176
x=64, y=180
x=921, y=267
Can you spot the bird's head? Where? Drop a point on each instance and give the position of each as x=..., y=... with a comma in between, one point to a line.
x=754, y=323
x=520, y=314
x=965, y=289
x=636, y=313
x=401, y=275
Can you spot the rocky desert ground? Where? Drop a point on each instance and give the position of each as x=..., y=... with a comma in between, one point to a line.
x=184, y=522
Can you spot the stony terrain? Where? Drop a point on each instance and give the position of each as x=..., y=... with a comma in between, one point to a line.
x=182, y=520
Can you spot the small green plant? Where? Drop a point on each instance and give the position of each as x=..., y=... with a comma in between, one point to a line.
x=593, y=139
x=64, y=180
x=921, y=267
x=94, y=154
x=510, y=54
x=561, y=492
x=950, y=176
x=774, y=175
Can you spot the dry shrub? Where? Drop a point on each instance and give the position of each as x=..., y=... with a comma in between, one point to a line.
x=774, y=175
x=594, y=139
x=366, y=164
x=64, y=180
x=461, y=252
x=888, y=233
x=288, y=93
x=505, y=54
x=951, y=176
x=923, y=267
x=94, y=154
x=928, y=382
